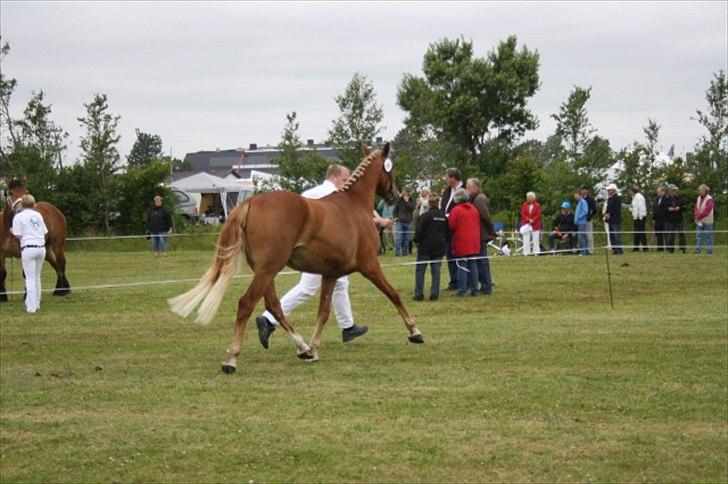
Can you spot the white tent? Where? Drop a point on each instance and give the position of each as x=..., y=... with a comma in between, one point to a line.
x=205, y=183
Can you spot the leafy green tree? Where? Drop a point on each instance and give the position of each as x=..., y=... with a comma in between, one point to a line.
x=639, y=162
x=137, y=188
x=359, y=122
x=298, y=170
x=146, y=148
x=572, y=123
x=422, y=157
x=101, y=158
x=470, y=100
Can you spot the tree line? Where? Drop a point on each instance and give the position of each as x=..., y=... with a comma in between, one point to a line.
x=463, y=110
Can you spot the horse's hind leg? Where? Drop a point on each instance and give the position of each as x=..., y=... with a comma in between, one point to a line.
x=57, y=259
x=3, y=276
x=273, y=305
x=377, y=277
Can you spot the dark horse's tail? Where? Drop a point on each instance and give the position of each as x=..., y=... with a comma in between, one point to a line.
x=208, y=293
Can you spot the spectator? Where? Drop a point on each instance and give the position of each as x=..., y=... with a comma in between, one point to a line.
x=581, y=222
x=564, y=228
x=613, y=217
x=464, y=222
x=159, y=225
x=403, y=209
x=30, y=229
x=531, y=224
x=454, y=180
x=387, y=235
x=430, y=239
x=674, y=221
x=638, y=208
x=658, y=219
x=703, y=214
x=592, y=205
x=487, y=233
x=422, y=205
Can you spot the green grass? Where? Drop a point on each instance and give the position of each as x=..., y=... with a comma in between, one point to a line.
x=542, y=381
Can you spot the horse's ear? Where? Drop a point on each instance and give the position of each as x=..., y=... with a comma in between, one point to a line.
x=364, y=149
x=385, y=150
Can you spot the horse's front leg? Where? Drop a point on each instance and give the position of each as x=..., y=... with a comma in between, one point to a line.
x=376, y=275
x=327, y=290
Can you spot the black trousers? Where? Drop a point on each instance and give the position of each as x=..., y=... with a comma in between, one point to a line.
x=672, y=228
x=639, y=234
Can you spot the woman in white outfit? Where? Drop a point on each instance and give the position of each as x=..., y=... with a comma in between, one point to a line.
x=28, y=226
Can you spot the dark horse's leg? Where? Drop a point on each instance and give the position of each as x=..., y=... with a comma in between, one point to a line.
x=57, y=259
x=376, y=275
x=3, y=276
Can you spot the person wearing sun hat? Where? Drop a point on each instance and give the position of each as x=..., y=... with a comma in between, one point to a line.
x=612, y=212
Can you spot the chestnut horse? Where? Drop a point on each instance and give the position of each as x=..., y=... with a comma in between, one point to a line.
x=55, y=239
x=332, y=236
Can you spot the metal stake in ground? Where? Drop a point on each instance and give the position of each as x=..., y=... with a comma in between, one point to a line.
x=609, y=278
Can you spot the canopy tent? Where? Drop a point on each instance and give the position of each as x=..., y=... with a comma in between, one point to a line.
x=205, y=183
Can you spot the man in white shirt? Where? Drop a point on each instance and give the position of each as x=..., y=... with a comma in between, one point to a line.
x=29, y=228
x=306, y=288
x=639, y=214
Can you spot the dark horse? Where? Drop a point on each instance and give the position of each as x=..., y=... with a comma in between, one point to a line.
x=332, y=236
x=55, y=238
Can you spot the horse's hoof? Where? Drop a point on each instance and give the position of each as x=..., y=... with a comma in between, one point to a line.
x=61, y=292
x=228, y=369
x=3, y=297
x=306, y=355
x=416, y=338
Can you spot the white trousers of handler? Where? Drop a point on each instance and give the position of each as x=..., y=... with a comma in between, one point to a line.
x=532, y=236
x=32, y=258
x=306, y=289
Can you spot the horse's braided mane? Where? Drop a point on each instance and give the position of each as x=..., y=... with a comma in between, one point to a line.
x=356, y=174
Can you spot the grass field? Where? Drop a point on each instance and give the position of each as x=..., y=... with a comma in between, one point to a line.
x=542, y=381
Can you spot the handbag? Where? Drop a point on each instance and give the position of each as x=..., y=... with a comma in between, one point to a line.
x=526, y=229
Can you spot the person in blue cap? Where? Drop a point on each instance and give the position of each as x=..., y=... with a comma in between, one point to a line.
x=564, y=229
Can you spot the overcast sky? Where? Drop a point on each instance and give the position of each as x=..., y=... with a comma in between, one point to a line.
x=223, y=75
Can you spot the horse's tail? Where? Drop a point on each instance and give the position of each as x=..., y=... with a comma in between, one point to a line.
x=208, y=293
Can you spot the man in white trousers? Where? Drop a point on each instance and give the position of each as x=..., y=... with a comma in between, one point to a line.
x=306, y=288
x=28, y=226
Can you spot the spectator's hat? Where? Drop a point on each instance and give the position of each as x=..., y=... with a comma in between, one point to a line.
x=565, y=204
x=672, y=186
x=612, y=186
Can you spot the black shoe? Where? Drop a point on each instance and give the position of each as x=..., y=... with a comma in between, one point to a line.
x=433, y=298
x=418, y=298
x=355, y=331
x=265, y=329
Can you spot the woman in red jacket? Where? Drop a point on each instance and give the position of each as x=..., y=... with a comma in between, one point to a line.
x=531, y=224
x=464, y=221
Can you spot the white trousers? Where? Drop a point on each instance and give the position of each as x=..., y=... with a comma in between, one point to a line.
x=32, y=264
x=532, y=236
x=590, y=236
x=306, y=289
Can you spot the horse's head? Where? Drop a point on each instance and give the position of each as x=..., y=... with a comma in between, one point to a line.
x=385, y=183
x=15, y=188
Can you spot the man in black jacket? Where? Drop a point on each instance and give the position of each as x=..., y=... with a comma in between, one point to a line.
x=613, y=217
x=674, y=207
x=658, y=219
x=564, y=227
x=454, y=180
x=430, y=240
x=159, y=224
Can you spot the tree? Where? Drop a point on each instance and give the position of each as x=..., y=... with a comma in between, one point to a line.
x=101, y=159
x=572, y=123
x=137, y=187
x=147, y=147
x=297, y=171
x=420, y=156
x=360, y=120
x=470, y=100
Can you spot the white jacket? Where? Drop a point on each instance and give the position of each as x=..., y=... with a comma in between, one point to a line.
x=639, y=207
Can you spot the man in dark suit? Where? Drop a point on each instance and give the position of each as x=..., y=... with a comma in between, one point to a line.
x=454, y=180
x=613, y=217
x=658, y=219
